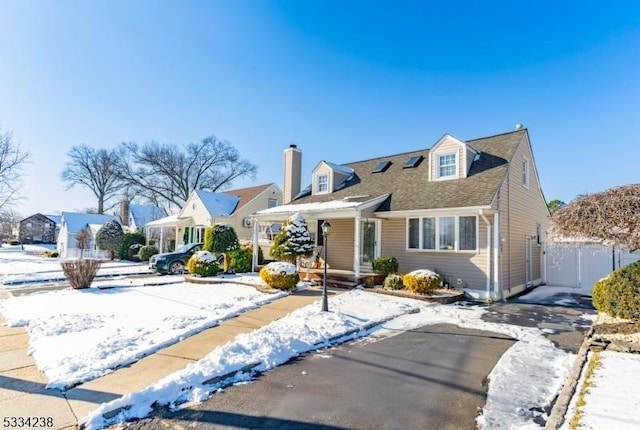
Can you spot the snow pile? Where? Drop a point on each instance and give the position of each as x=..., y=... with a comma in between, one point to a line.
x=78, y=335
x=280, y=268
x=204, y=257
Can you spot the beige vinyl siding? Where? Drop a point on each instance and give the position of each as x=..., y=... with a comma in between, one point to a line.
x=340, y=244
x=522, y=209
x=467, y=266
x=449, y=147
x=337, y=178
x=195, y=209
x=470, y=155
x=323, y=169
x=260, y=202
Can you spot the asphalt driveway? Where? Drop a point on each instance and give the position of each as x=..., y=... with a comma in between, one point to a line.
x=433, y=377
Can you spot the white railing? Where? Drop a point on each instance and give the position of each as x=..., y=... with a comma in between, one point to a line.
x=87, y=253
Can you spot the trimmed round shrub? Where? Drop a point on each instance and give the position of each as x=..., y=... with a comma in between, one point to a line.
x=280, y=275
x=203, y=263
x=422, y=281
x=619, y=294
x=599, y=296
x=146, y=252
x=51, y=254
x=385, y=265
x=240, y=260
x=393, y=282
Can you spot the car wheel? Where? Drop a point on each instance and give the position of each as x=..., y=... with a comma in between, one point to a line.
x=176, y=267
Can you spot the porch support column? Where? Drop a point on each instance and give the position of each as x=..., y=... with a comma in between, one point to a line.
x=161, y=247
x=356, y=245
x=254, y=264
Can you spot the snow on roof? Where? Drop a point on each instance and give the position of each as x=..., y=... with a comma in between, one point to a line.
x=55, y=218
x=77, y=221
x=168, y=221
x=340, y=168
x=320, y=206
x=218, y=204
x=144, y=214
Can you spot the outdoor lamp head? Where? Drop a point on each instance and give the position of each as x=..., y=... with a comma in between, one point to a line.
x=326, y=227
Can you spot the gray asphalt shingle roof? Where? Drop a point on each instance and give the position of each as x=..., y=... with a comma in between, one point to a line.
x=410, y=189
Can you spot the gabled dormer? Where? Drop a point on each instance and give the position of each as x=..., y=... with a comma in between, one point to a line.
x=328, y=177
x=450, y=158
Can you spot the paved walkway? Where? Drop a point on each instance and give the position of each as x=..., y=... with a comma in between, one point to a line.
x=22, y=385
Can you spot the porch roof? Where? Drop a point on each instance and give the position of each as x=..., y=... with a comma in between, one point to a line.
x=169, y=221
x=347, y=207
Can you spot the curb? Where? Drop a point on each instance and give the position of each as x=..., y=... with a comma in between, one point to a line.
x=561, y=405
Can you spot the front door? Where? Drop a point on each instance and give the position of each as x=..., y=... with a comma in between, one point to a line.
x=368, y=243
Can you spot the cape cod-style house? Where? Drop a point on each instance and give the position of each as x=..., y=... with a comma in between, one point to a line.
x=473, y=211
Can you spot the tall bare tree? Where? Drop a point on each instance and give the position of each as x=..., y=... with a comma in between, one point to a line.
x=95, y=170
x=612, y=216
x=166, y=173
x=12, y=160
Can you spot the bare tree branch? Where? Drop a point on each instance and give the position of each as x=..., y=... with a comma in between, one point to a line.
x=95, y=170
x=168, y=173
x=612, y=217
x=12, y=159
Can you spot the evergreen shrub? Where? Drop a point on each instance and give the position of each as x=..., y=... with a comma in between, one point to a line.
x=385, y=265
x=619, y=293
x=393, y=282
x=422, y=281
x=203, y=263
x=146, y=252
x=280, y=275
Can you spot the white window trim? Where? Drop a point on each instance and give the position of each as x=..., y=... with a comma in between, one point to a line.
x=526, y=172
x=318, y=176
x=456, y=157
x=437, y=238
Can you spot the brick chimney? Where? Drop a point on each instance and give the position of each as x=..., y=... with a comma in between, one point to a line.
x=124, y=213
x=292, y=173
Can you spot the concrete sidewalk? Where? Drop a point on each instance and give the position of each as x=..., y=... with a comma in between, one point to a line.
x=22, y=385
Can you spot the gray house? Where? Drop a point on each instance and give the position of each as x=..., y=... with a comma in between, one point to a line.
x=472, y=211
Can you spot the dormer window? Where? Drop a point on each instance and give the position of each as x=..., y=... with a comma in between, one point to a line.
x=323, y=183
x=447, y=165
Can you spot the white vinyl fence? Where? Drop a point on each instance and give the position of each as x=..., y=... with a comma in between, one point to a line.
x=580, y=266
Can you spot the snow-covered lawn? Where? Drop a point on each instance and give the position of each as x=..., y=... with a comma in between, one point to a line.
x=78, y=335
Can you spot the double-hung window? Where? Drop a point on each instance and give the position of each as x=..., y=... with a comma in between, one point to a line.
x=447, y=165
x=323, y=184
x=443, y=233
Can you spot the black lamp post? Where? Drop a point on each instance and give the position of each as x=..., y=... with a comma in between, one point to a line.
x=326, y=227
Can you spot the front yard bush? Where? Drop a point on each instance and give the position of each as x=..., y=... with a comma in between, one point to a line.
x=145, y=253
x=619, y=293
x=393, y=282
x=280, y=275
x=51, y=254
x=80, y=273
x=203, y=263
x=131, y=243
x=422, y=281
x=385, y=265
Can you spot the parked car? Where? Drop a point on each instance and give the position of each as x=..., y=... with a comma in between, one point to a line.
x=174, y=262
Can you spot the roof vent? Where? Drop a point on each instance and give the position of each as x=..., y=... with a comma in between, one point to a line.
x=519, y=126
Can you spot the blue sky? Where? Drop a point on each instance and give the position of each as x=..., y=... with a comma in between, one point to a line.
x=344, y=80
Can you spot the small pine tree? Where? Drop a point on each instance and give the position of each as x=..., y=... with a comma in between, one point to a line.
x=293, y=240
x=109, y=237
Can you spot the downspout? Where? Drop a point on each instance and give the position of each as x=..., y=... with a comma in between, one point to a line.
x=356, y=246
x=488, y=224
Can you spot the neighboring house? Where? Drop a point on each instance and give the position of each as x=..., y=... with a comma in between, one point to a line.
x=203, y=209
x=73, y=223
x=38, y=228
x=472, y=211
x=135, y=217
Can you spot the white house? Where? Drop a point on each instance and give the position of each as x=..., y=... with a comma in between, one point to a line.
x=73, y=223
